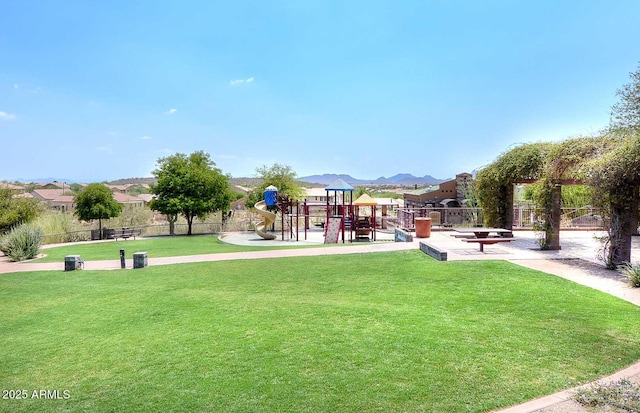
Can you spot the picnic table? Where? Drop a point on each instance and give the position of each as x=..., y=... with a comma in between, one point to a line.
x=482, y=236
x=485, y=232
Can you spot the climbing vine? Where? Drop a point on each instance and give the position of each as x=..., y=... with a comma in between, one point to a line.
x=494, y=183
x=609, y=164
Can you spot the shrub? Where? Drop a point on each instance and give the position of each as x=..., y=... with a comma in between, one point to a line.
x=131, y=216
x=632, y=271
x=621, y=394
x=21, y=243
x=59, y=227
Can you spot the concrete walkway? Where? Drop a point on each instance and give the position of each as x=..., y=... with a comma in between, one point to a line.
x=576, y=262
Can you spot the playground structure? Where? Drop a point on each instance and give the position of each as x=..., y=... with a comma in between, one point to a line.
x=365, y=224
x=340, y=217
x=268, y=218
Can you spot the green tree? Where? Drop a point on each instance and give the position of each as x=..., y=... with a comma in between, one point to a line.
x=573, y=196
x=282, y=177
x=16, y=211
x=626, y=112
x=96, y=201
x=75, y=188
x=191, y=186
x=360, y=190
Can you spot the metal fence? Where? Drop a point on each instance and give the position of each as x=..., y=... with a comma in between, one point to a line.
x=197, y=228
x=571, y=218
x=440, y=217
x=523, y=217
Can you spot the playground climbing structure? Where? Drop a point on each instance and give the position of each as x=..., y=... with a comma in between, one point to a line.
x=268, y=218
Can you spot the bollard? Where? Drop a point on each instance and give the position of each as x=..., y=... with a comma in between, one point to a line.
x=122, y=263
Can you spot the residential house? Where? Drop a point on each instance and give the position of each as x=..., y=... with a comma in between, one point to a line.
x=63, y=199
x=58, y=199
x=52, y=185
x=146, y=198
x=128, y=200
x=15, y=189
x=315, y=195
x=122, y=189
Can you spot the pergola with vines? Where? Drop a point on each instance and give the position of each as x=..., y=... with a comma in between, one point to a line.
x=608, y=164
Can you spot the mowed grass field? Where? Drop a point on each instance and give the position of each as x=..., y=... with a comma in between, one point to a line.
x=375, y=332
x=155, y=247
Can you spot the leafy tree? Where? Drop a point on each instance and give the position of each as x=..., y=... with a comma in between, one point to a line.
x=138, y=189
x=361, y=190
x=190, y=186
x=573, y=196
x=282, y=177
x=626, y=113
x=30, y=187
x=96, y=201
x=75, y=188
x=16, y=211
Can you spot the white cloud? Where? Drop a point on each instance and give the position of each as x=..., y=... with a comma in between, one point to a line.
x=145, y=138
x=164, y=151
x=105, y=149
x=16, y=86
x=7, y=116
x=171, y=111
x=236, y=82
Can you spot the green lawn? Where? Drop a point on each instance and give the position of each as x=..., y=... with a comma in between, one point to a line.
x=377, y=332
x=155, y=247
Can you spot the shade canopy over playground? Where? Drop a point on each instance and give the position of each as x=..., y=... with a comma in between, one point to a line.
x=340, y=185
x=365, y=226
x=365, y=200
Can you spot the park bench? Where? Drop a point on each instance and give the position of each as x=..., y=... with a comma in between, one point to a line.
x=126, y=233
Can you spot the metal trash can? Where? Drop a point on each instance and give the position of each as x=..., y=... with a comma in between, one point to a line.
x=72, y=263
x=423, y=227
x=139, y=259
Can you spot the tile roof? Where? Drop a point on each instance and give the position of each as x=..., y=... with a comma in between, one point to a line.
x=53, y=194
x=11, y=186
x=125, y=198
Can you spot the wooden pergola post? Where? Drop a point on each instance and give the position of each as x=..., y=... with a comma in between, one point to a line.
x=553, y=237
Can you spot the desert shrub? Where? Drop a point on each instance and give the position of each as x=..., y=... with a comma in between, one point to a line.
x=131, y=216
x=632, y=271
x=622, y=394
x=59, y=227
x=22, y=243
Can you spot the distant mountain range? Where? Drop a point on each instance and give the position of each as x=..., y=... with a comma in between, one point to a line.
x=45, y=180
x=325, y=179
x=399, y=179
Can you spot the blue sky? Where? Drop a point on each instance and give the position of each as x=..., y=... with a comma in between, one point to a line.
x=101, y=90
